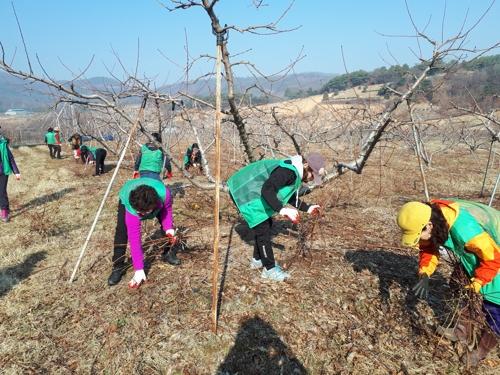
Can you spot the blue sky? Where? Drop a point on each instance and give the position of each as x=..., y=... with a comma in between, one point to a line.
x=72, y=31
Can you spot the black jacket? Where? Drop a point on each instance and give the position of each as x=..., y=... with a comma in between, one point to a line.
x=279, y=178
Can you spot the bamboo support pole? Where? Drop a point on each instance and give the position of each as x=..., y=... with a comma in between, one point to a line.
x=115, y=173
x=215, y=261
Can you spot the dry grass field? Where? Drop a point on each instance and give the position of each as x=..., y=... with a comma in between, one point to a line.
x=348, y=308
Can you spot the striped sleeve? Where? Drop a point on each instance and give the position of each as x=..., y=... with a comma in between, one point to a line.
x=488, y=252
x=428, y=260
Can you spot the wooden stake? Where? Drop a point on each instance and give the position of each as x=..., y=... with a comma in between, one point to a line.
x=215, y=260
x=124, y=151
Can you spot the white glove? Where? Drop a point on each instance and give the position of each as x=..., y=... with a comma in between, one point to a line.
x=314, y=209
x=137, y=280
x=170, y=232
x=290, y=213
x=18, y=176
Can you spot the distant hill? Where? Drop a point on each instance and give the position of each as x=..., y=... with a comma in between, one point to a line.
x=277, y=85
x=17, y=93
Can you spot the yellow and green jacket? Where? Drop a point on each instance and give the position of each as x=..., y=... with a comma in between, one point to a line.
x=477, y=250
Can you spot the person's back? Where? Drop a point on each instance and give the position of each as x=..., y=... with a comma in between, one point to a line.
x=50, y=137
x=151, y=160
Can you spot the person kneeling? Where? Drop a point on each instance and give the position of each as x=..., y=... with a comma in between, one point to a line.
x=141, y=199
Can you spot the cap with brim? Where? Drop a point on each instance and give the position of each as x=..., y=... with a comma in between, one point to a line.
x=412, y=219
x=317, y=163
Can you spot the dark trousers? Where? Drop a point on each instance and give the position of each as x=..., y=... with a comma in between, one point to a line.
x=121, y=237
x=4, y=199
x=150, y=174
x=263, y=248
x=57, y=151
x=52, y=151
x=100, y=156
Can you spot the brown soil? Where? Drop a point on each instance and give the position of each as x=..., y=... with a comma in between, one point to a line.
x=348, y=307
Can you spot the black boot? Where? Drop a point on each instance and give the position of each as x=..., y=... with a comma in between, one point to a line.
x=116, y=275
x=170, y=257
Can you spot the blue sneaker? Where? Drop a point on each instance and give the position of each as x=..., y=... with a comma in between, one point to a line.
x=255, y=264
x=275, y=273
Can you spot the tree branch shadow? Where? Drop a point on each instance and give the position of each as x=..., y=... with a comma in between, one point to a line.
x=40, y=201
x=13, y=275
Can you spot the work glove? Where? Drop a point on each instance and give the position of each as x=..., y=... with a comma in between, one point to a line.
x=290, y=213
x=172, y=239
x=137, y=280
x=421, y=289
x=313, y=210
x=136, y=174
x=475, y=285
x=18, y=176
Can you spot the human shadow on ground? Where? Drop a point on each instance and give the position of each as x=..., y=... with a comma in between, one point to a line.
x=246, y=234
x=13, y=275
x=258, y=350
x=40, y=201
x=401, y=269
x=108, y=167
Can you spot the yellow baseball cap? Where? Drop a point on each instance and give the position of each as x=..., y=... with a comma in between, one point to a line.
x=412, y=218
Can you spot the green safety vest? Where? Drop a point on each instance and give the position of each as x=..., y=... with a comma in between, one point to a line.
x=186, y=158
x=51, y=138
x=245, y=187
x=151, y=160
x=92, y=151
x=463, y=230
x=131, y=185
x=7, y=170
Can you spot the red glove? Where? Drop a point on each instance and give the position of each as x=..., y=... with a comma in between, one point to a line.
x=136, y=174
x=314, y=210
x=169, y=175
x=171, y=238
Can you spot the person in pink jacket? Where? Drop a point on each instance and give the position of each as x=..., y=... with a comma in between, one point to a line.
x=141, y=199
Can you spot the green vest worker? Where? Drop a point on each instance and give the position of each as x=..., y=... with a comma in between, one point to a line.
x=151, y=160
x=262, y=189
x=94, y=155
x=50, y=141
x=141, y=199
x=471, y=231
x=192, y=157
x=7, y=167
